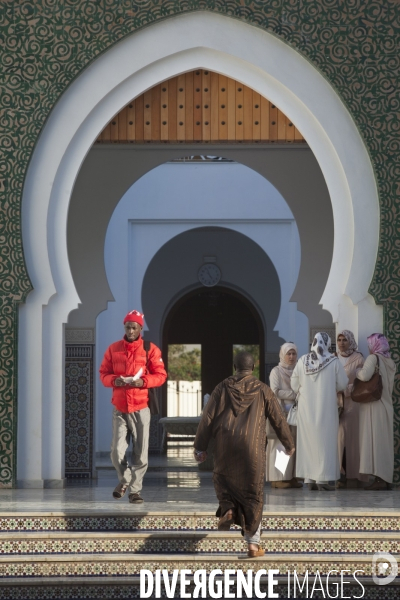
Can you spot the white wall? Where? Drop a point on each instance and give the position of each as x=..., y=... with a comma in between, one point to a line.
x=177, y=197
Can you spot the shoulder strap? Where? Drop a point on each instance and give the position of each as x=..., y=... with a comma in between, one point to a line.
x=146, y=346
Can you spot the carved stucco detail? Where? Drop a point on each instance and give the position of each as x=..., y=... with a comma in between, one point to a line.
x=79, y=336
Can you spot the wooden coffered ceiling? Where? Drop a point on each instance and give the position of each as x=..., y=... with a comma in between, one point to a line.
x=200, y=106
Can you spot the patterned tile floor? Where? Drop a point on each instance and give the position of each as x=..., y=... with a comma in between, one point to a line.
x=167, y=488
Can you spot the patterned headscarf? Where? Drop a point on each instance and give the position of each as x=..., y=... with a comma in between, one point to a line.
x=378, y=344
x=319, y=357
x=283, y=365
x=349, y=335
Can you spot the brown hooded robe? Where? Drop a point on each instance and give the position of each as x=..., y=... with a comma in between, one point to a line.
x=235, y=416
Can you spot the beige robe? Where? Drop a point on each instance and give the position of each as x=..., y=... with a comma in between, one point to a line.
x=349, y=420
x=318, y=420
x=376, y=422
x=280, y=385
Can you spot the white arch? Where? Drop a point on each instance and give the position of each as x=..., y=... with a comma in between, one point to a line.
x=163, y=50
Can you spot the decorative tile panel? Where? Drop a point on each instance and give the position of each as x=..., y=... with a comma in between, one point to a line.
x=98, y=567
x=78, y=410
x=155, y=434
x=47, y=44
x=171, y=522
x=186, y=544
x=116, y=591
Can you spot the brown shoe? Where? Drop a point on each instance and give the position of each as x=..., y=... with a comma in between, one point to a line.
x=255, y=553
x=281, y=485
x=135, y=498
x=378, y=484
x=120, y=491
x=327, y=487
x=295, y=483
x=225, y=522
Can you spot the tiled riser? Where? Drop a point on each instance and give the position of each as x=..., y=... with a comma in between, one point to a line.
x=125, y=592
x=123, y=566
x=196, y=523
x=190, y=546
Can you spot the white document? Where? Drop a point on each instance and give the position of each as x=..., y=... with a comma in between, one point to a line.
x=281, y=459
x=134, y=378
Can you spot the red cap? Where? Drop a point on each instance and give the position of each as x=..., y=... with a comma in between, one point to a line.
x=134, y=317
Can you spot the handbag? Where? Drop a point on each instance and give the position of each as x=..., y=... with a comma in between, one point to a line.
x=368, y=391
x=292, y=415
x=154, y=405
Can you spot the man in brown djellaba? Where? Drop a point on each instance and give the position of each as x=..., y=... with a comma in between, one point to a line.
x=235, y=416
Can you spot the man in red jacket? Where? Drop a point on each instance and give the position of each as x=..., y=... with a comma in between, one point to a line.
x=125, y=369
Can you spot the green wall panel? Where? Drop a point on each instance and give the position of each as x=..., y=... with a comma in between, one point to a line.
x=47, y=43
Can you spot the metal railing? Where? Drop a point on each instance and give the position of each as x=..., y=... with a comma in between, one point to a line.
x=184, y=398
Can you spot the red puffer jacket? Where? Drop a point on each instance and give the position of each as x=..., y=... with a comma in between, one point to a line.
x=126, y=358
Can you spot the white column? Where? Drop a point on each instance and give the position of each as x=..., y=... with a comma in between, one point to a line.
x=53, y=400
x=29, y=437
x=41, y=423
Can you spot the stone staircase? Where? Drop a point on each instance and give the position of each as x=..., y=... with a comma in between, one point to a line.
x=78, y=555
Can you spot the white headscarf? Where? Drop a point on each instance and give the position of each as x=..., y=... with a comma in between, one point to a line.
x=284, y=367
x=319, y=357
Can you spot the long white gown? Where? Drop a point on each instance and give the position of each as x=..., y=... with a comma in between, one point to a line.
x=318, y=420
x=280, y=385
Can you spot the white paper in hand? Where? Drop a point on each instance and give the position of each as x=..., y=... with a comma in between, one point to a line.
x=281, y=459
x=134, y=378
x=138, y=374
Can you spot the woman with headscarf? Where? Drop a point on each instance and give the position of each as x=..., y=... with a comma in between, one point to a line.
x=317, y=378
x=376, y=418
x=279, y=382
x=348, y=438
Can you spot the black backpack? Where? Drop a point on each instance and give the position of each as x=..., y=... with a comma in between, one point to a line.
x=154, y=405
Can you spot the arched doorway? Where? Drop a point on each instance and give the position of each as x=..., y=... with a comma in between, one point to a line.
x=217, y=319
x=182, y=44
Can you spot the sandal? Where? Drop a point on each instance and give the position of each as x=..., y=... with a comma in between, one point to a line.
x=378, y=484
x=225, y=522
x=255, y=553
x=327, y=487
x=120, y=491
x=281, y=485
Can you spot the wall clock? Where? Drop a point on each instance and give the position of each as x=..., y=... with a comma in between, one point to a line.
x=209, y=274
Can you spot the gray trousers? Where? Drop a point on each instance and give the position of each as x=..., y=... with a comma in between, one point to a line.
x=126, y=427
x=255, y=539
